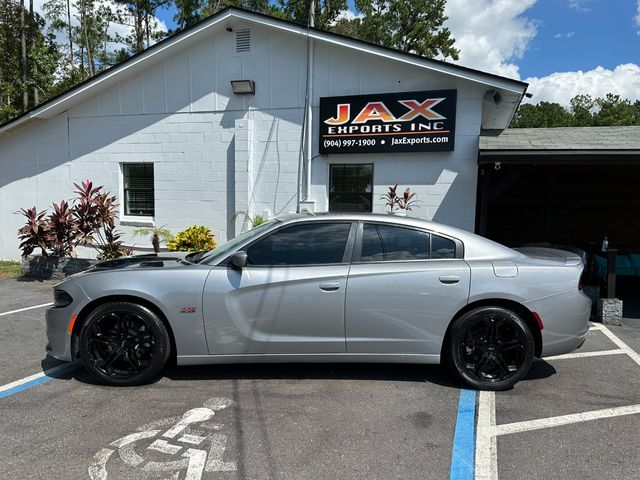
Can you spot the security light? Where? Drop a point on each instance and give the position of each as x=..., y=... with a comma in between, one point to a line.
x=243, y=87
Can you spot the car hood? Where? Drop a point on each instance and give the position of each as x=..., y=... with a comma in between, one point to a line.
x=152, y=260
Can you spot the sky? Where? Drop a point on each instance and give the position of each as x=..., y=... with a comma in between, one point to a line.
x=562, y=48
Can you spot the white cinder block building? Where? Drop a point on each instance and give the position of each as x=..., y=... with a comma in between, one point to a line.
x=166, y=132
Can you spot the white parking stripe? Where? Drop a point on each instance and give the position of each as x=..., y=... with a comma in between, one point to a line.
x=25, y=309
x=615, y=351
x=35, y=376
x=627, y=349
x=527, y=426
x=486, y=448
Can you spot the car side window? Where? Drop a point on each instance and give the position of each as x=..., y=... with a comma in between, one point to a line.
x=442, y=247
x=390, y=243
x=304, y=244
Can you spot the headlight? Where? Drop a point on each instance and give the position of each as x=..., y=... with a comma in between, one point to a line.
x=61, y=298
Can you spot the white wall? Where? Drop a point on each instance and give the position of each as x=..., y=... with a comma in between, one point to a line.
x=215, y=153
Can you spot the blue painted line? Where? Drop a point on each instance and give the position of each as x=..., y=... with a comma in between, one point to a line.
x=464, y=441
x=36, y=381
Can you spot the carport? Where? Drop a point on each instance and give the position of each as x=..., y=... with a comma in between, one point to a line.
x=569, y=187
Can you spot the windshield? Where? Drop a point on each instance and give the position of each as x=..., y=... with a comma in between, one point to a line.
x=213, y=255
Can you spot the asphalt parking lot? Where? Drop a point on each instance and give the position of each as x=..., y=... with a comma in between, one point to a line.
x=575, y=416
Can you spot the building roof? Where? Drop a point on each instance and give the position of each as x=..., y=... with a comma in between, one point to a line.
x=225, y=18
x=563, y=139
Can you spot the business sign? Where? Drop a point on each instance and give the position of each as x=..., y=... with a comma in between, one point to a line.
x=388, y=122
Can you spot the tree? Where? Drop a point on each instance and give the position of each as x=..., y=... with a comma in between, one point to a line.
x=140, y=15
x=28, y=59
x=187, y=13
x=614, y=110
x=582, y=110
x=413, y=27
x=325, y=14
x=542, y=115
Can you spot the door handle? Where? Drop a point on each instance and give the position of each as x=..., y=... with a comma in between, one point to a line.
x=329, y=287
x=449, y=279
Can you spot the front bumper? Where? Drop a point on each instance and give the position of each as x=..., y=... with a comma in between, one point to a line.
x=58, y=319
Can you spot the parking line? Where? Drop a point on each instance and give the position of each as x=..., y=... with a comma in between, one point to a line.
x=600, y=353
x=25, y=309
x=486, y=467
x=462, y=457
x=529, y=425
x=627, y=349
x=36, y=379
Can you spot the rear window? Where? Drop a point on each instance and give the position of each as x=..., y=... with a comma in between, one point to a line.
x=388, y=243
x=442, y=247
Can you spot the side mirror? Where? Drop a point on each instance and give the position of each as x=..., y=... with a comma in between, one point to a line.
x=239, y=259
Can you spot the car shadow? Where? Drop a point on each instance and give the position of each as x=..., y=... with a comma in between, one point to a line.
x=435, y=374
x=540, y=370
x=315, y=371
x=295, y=371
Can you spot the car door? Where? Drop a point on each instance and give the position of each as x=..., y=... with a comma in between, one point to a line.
x=289, y=299
x=404, y=287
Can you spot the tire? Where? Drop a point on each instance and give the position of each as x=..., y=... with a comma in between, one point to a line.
x=491, y=348
x=124, y=344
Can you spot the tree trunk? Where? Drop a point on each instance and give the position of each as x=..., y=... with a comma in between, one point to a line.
x=70, y=33
x=87, y=42
x=23, y=58
x=36, y=98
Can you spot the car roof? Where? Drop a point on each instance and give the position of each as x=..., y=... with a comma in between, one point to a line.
x=476, y=247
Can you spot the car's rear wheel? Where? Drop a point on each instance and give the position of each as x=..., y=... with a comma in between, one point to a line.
x=123, y=343
x=491, y=348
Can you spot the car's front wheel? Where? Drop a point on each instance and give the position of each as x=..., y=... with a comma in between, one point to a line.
x=124, y=343
x=491, y=348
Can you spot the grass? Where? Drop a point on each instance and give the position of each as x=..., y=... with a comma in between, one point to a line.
x=9, y=269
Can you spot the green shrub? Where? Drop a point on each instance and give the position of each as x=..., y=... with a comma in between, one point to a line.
x=196, y=238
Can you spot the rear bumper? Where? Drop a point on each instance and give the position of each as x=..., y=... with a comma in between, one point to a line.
x=565, y=317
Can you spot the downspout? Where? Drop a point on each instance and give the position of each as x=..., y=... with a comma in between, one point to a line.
x=309, y=122
x=304, y=166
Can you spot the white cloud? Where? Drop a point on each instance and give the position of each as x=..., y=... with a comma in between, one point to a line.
x=580, y=5
x=623, y=80
x=351, y=15
x=492, y=35
x=564, y=35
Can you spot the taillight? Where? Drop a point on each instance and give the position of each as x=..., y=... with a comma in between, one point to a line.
x=536, y=315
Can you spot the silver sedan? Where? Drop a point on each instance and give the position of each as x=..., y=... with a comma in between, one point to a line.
x=326, y=288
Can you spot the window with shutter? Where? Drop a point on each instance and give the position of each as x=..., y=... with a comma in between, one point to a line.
x=138, y=189
x=351, y=187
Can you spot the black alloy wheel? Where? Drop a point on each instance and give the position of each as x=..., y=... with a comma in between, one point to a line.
x=124, y=343
x=491, y=348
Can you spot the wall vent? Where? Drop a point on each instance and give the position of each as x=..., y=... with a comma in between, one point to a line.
x=243, y=41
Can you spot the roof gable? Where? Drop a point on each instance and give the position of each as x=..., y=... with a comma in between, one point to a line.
x=225, y=18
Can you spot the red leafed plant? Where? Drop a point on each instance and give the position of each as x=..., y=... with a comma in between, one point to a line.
x=62, y=228
x=392, y=198
x=108, y=243
x=407, y=201
x=89, y=221
x=35, y=233
x=86, y=211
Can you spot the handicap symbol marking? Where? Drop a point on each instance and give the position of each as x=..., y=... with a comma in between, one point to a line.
x=192, y=442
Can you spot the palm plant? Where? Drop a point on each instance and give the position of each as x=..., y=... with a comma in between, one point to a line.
x=254, y=220
x=158, y=235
